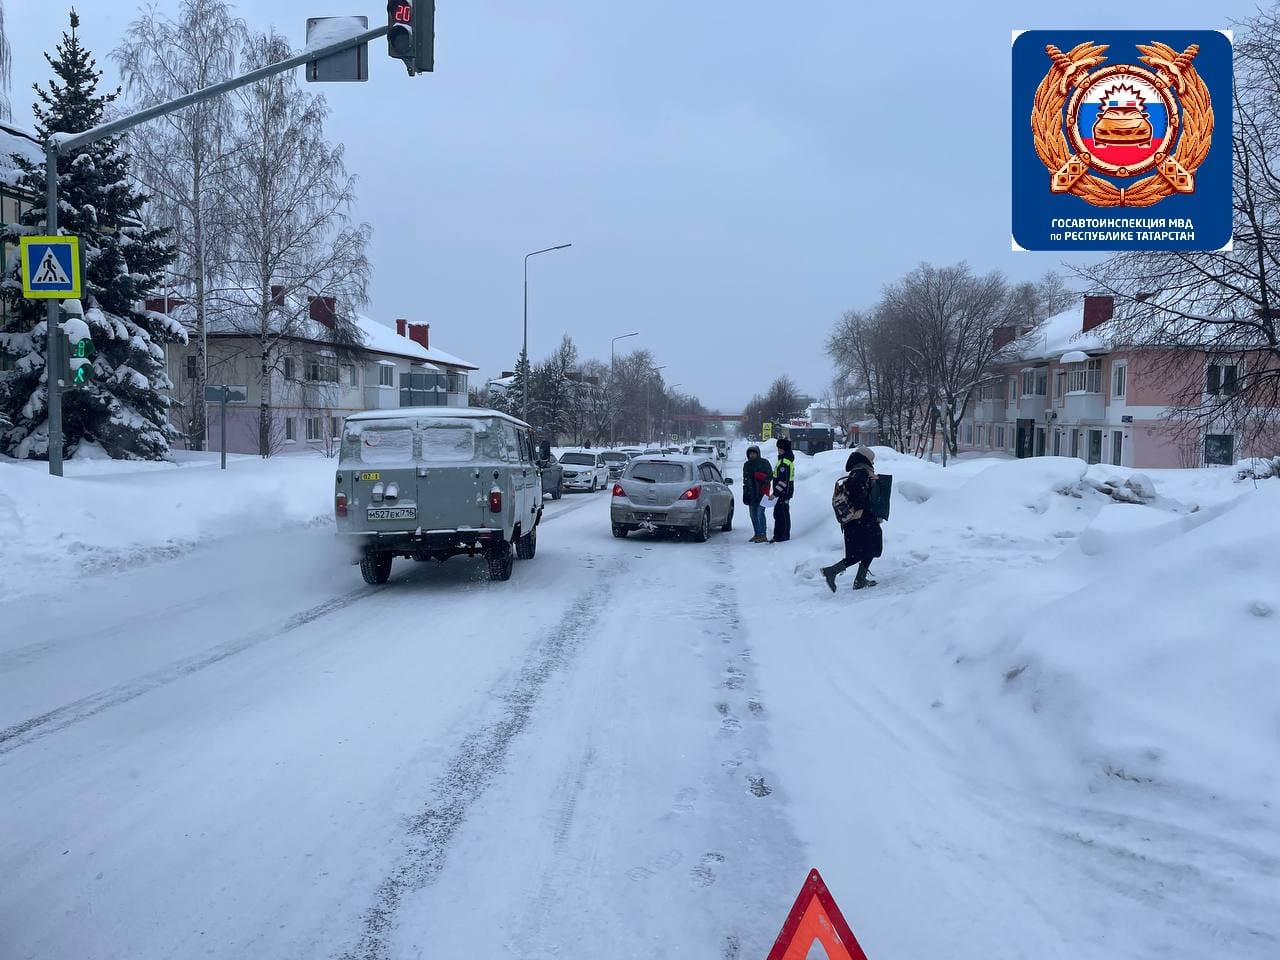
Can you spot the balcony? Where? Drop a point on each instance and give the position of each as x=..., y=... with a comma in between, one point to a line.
x=1082, y=407
x=1032, y=407
x=990, y=410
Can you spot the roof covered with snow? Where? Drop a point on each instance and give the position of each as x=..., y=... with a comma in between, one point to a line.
x=1058, y=335
x=20, y=141
x=383, y=339
x=436, y=413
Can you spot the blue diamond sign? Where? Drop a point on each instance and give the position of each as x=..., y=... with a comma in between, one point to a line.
x=50, y=268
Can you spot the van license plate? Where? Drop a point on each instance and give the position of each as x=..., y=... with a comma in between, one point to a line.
x=393, y=513
x=370, y=476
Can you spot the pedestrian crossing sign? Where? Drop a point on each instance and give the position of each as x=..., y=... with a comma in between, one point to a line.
x=50, y=268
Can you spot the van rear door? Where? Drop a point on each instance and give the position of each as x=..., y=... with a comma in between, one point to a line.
x=383, y=489
x=450, y=493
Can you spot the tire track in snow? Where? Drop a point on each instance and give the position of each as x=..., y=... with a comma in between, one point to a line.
x=470, y=772
x=37, y=727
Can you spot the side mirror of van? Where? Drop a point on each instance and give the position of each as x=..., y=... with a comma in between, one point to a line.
x=544, y=451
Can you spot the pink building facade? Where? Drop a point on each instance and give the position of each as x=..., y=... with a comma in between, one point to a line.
x=1070, y=394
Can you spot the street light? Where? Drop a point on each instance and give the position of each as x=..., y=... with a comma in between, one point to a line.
x=524, y=404
x=612, y=344
x=667, y=405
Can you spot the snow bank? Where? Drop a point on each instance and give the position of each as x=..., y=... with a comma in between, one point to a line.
x=106, y=514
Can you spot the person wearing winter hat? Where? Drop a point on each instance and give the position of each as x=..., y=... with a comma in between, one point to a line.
x=784, y=487
x=756, y=474
x=863, y=540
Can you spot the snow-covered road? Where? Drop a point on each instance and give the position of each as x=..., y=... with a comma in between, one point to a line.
x=637, y=748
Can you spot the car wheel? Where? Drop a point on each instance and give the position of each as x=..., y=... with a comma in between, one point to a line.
x=593, y=484
x=728, y=521
x=376, y=568
x=703, y=533
x=501, y=562
x=620, y=531
x=527, y=545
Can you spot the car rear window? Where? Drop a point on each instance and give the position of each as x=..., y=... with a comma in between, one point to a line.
x=658, y=472
x=614, y=457
x=578, y=459
x=454, y=442
x=378, y=443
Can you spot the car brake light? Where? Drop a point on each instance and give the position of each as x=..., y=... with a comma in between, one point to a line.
x=693, y=493
x=495, y=501
x=340, y=504
x=618, y=491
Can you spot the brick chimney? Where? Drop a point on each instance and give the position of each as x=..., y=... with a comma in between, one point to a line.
x=400, y=325
x=158, y=304
x=1098, y=309
x=420, y=333
x=277, y=295
x=1003, y=336
x=323, y=309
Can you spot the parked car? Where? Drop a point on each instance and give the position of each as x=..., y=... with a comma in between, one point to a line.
x=584, y=470
x=552, y=472
x=722, y=446
x=704, y=450
x=431, y=483
x=616, y=461
x=631, y=452
x=672, y=493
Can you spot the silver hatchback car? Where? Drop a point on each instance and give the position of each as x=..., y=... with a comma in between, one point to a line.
x=677, y=492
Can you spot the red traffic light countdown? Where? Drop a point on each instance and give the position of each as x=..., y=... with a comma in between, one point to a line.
x=400, y=37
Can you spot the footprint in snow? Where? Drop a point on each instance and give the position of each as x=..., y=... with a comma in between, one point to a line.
x=703, y=874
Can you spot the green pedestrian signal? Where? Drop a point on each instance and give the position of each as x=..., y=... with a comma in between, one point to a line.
x=81, y=360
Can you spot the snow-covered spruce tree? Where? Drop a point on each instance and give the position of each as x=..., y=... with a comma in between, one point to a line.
x=123, y=407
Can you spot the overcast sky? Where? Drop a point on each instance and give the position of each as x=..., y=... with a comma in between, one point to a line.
x=732, y=175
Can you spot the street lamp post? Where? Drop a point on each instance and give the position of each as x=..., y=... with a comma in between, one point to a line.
x=524, y=402
x=666, y=406
x=612, y=344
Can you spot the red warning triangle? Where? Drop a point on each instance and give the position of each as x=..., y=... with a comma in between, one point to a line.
x=815, y=917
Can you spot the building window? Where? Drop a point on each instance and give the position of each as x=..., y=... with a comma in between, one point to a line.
x=335, y=427
x=1219, y=449
x=1060, y=388
x=290, y=430
x=1117, y=447
x=1057, y=443
x=1222, y=379
x=1000, y=437
x=322, y=369
x=1035, y=382
x=457, y=381
x=289, y=372
x=1119, y=376
x=1085, y=377
x=353, y=376
x=193, y=368
x=313, y=428
x=386, y=375
x=1075, y=443
x=968, y=434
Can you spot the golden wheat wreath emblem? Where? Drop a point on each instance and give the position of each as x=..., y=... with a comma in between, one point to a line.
x=1172, y=73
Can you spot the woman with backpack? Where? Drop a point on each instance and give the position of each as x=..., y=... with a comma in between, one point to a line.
x=863, y=541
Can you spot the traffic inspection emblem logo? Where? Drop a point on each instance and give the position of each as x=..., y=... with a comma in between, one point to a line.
x=1122, y=140
x=1122, y=121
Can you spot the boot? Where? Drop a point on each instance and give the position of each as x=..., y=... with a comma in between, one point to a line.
x=830, y=573
x=862, y=581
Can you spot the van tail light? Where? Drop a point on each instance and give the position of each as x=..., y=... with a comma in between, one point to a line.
x=340, y=505
x=693, y=493
x=618, y=491
x=495, y=500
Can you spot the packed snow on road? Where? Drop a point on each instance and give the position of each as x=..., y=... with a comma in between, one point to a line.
x=1051, y=729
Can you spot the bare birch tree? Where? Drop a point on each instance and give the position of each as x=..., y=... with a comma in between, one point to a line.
x=293, y=239
x=184, y=159
x=1223, y=304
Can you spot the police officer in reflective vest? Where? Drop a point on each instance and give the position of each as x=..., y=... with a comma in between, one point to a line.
x=784, y=487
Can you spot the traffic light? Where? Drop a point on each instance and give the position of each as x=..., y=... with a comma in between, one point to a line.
x=80, y=360
x=411, y=36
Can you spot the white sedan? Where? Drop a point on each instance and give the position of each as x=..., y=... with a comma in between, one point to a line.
x=584, y=470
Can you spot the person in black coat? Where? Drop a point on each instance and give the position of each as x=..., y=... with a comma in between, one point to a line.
x=863, y=541
x=756, y=476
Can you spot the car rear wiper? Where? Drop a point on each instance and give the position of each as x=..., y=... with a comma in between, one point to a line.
x=644, y=479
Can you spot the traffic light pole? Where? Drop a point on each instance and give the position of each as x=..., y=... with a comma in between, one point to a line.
x=54, y=363
x=60, y=143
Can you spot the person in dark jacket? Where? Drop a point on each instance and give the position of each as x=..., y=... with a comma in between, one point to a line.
x=756, y=476
x=784, y=488
x=863, y=541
